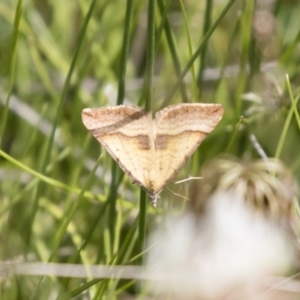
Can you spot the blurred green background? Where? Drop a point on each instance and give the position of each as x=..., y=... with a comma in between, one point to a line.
x=58, y=57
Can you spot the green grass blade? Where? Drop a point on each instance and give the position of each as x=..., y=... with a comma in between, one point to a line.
x=63, y=98
x=206, y=26
x=68, y=218
x=293, y=110
x=12, y=67
x=173, y=49
x=197, y=52
x=124, y=52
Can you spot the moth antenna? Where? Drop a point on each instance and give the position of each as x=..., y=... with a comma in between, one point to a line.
x=187, y=179
x=178, y=195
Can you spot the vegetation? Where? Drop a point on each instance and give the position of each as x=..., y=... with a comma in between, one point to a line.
x=63, y=203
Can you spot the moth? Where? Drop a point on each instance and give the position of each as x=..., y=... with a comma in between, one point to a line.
x=152, y=151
